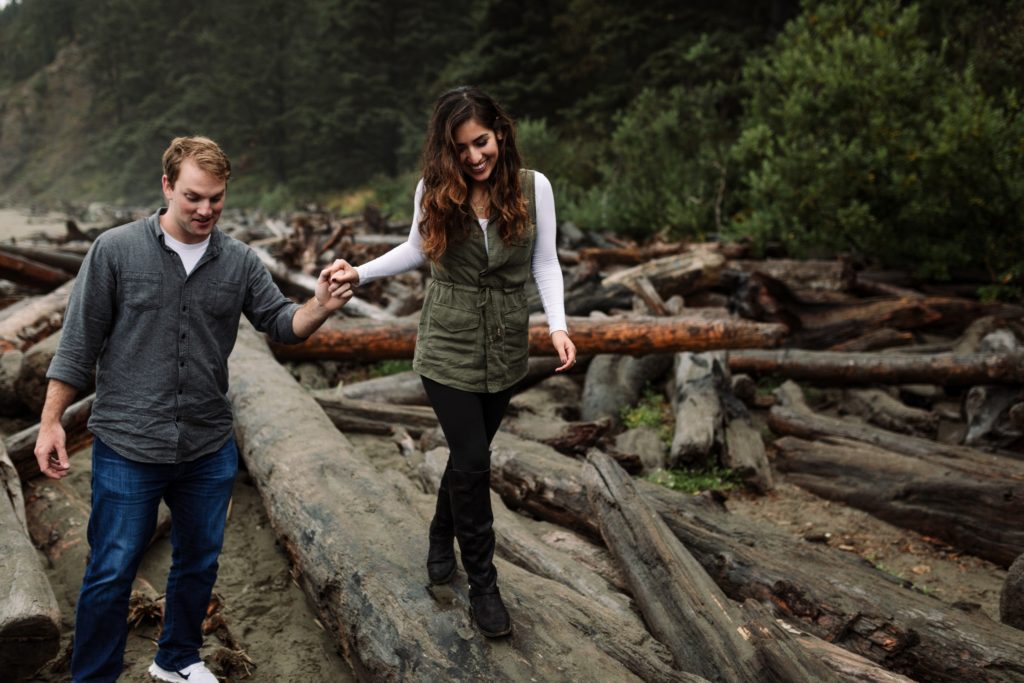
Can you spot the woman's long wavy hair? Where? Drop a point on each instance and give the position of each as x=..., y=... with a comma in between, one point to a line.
x=446, y=193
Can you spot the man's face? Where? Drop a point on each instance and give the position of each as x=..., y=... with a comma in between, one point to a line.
x=193, y=204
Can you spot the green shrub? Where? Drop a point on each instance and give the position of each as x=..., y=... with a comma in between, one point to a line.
x=859, y=138
x=664, y=168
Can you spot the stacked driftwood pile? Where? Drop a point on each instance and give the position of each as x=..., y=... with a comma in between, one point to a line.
x=916, y=415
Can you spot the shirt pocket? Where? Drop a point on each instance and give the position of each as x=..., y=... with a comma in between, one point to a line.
x=143, y=291
x=221, y=298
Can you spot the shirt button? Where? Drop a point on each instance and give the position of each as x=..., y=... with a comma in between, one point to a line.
x=179, y=391
x=182, y=363
x=183, y=336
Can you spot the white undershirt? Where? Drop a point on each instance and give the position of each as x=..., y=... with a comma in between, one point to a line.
x=544, y=265
x=189, y=253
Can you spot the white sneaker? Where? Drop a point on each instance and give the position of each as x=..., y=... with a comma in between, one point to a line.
x=194, y=673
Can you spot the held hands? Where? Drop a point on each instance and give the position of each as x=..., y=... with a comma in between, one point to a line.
x=566, y=350
x=343, y=274
x=333, y=295
x=51, y=452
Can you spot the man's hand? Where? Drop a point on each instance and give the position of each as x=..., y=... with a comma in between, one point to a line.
x=51, y=453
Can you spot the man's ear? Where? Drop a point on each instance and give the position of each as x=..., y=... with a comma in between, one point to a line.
x=167, y=187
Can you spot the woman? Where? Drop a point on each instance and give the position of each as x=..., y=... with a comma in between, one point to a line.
x=483, y=223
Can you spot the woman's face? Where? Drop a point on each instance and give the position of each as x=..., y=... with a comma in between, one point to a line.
x=477, y=149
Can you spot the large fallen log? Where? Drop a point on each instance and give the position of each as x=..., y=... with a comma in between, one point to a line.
x=21, y=445
x=836, y=367
x=31, y=384
x=28, y=272
x=941, y=497
x=635, y=336
x=357, y=553
x=28, y=321
x=684, y=608
x=29, y=616
x=831, y=594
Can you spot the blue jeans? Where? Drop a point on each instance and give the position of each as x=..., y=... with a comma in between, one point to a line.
x=125, y=498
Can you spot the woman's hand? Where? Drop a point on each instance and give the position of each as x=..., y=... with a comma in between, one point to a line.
x=343, y=276
x=565, y=348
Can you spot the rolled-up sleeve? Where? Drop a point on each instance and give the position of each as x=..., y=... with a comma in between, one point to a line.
x=87, y=320
x=269, y=310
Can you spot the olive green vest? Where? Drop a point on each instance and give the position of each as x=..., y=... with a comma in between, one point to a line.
x=474, y=323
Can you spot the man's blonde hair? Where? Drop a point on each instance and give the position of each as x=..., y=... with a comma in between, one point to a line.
x=206, y=154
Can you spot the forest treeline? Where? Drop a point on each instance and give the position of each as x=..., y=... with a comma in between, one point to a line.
x=891, y=131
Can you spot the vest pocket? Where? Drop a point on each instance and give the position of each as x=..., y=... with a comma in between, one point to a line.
x=452, y=337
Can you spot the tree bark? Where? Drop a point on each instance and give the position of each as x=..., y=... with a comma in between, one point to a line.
x=635, y=336
x=830, y=594
x=357, y=552
x=29, y=616
x=835, y=367
x=940, y=497
x=880, y=408
x=28, y=321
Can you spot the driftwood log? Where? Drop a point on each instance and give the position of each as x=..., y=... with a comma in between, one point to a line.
x=835, y=367
x=357, y=552
x=886, y=411
x=698, y=268
x=373, y=417
x=713, y=424
x=69, y=262
x=635, y=336
x=21, y=445
x=684, y=608
x=833, y=595
x=29, y=616
x=29, y=272
x=941, y=497
x=614, y=381
x=1011, y=597
x=28, y=321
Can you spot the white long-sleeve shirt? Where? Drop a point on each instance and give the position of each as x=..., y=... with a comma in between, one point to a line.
x=544, y=264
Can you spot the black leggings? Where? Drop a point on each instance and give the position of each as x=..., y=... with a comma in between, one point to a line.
x=469, y=421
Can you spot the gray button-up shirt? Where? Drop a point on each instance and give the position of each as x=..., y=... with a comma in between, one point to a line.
x=159, y=341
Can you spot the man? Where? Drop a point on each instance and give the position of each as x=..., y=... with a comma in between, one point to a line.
x=155, y=312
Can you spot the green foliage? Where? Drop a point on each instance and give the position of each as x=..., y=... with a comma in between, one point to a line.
x=664, y=168
x=860, y=138
x=390, y=367
x=652, y=410
x=696, y=480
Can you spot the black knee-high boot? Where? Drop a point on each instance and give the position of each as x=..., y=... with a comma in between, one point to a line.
x=474, y=520
x=441, y=553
